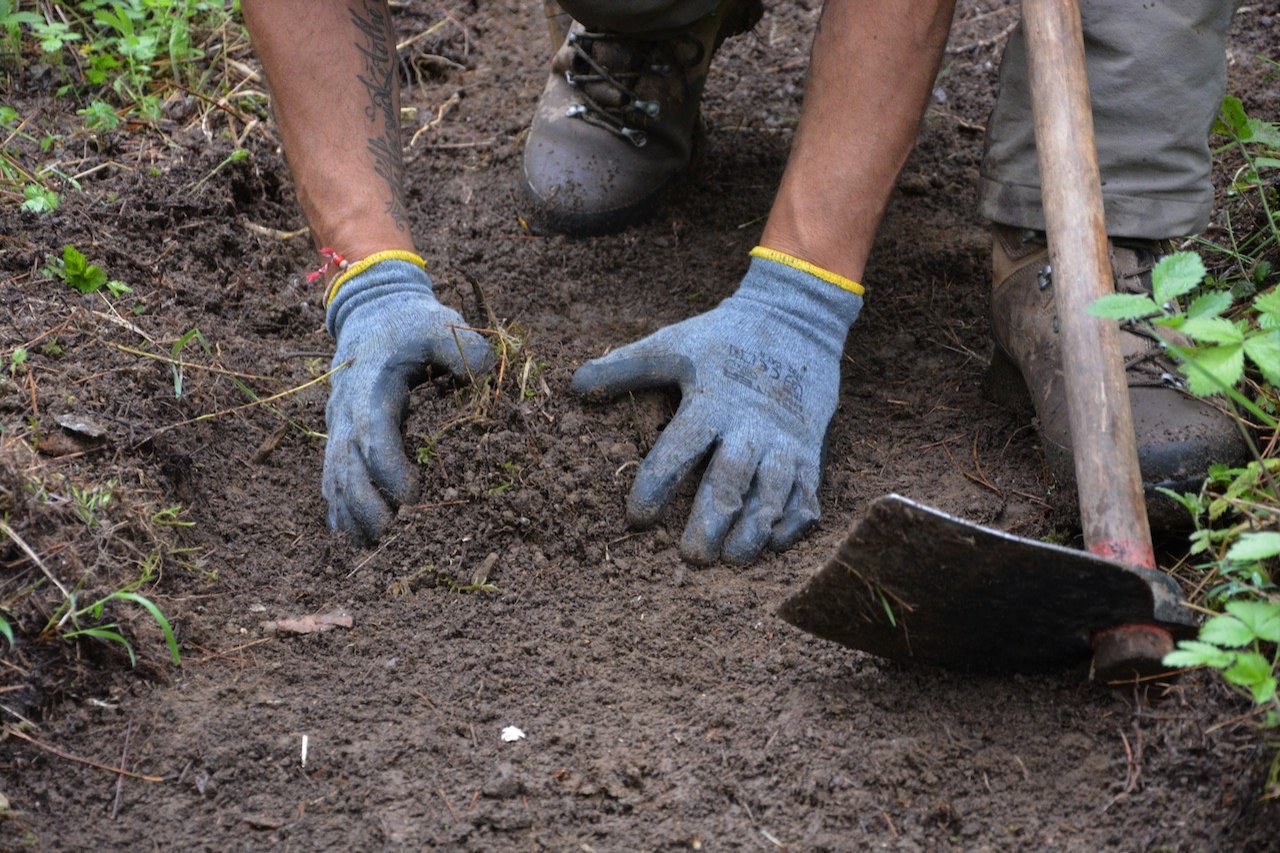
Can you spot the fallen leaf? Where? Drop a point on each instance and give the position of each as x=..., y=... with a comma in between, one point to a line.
x=313, y=624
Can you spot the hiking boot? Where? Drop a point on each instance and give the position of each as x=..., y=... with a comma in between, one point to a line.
x=616, y=120
x=1179, y=436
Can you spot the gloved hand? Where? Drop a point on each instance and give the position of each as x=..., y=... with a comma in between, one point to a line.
x=759, y=377
x=387, y=322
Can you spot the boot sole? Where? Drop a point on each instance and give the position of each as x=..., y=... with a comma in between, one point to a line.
x=542, y=218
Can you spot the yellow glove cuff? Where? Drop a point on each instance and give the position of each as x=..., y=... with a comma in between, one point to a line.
x=812, y=269
x=360, y=266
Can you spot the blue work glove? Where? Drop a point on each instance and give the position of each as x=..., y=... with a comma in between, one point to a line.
x=759, y=377
x=388, y=324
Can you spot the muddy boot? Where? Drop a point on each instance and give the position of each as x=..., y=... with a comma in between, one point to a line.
x=616, y=120
x=1179, y=436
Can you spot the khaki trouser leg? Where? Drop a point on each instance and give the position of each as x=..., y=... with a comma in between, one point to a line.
x=637, y=16
x=1157, y=72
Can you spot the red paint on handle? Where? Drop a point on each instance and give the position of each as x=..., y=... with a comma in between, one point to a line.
x=1131, y=552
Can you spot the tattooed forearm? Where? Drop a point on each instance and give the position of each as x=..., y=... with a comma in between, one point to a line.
x=379, y=81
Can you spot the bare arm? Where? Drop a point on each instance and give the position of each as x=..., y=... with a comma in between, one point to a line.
x=872, y=70
x=332, y=71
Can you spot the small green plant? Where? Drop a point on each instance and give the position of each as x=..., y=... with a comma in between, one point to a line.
x=89, y=502
x=234, y=157
x=172, y=516
x=53, y=36
x=100, y=116
x=513, y=477
x=1258, y=144
x=110, y=631
x=74, y=268
x=39, y=199
x=178, y=346
x=11, y=22
x=455, y=585
x=532, y=380
x=6, y=631
x=1223, y=331
x=1255, y=145
x=1215, y=362
x=17, y=359
x=1240, y=644
x=427, y=450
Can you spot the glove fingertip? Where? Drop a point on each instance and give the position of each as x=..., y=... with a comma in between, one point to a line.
x=642, y=513
x=698, y=551
x=470, y=355
x=341, y=521
x=793, y=526
x=743, y=548
x=371, y=519
x=396, y=479
x=650, y=494
x=357, y=505
x=641, y=366
x=592, y=380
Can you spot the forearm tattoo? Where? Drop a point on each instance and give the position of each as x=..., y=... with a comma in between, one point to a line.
x=379, y=81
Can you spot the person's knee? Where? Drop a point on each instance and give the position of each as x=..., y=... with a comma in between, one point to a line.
x=637, y=16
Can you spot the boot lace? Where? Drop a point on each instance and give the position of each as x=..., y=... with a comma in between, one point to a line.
x=627, y=115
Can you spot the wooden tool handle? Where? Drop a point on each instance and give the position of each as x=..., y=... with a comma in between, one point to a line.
x=1112, y=510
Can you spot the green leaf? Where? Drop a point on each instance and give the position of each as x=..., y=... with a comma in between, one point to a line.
x=1235, y=122
x=1255, y=546
x=1176, y=275
x=1214, y=370
x=180, y=344
x=1268, y=307
x=1226, y=631
x=1264, y=351
x=108, y=635
x=1213, y=330
x=121, y=23
x=1209, y=305
x=160, y=620
x=73, y=260
x=1261, y=617
x=7, y=631
x=39, y=200
x=1250, y=670
x=1196, y=653
x=1264, y=133
x=1124, y=306
x=100, y=116
x=1265, y=690
x=1266, y=163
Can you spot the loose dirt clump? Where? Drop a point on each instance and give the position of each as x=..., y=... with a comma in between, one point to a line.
x=663, y=706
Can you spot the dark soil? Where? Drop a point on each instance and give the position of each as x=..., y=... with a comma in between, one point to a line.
x=665, y=706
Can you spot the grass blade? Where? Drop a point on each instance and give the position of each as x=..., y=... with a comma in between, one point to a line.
x=160, y=620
